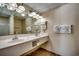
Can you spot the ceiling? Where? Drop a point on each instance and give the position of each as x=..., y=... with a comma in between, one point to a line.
x=42, y=7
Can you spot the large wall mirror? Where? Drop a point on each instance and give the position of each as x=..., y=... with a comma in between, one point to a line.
x=12, y=22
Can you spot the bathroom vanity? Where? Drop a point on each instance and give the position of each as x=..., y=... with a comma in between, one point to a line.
x=20, y=34
x=25, y=43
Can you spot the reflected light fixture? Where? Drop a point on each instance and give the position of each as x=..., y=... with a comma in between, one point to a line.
x=23, y=14
x=35, y=15
x=40, y=17
x=43, y=20
x=12, y=6
x=2, y=5
x=20, y=9
x=32, y=14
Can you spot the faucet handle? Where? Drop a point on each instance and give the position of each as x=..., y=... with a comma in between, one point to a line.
x=15, y=37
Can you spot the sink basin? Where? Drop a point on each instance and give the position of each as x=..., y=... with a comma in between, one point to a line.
x=10, y=41
x=20, y=39
x=17, y=40
x=5, y=41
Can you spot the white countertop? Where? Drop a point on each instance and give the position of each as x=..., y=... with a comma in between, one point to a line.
x=9, y=42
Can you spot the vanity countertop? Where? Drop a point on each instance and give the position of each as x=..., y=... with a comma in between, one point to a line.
x=30, y=37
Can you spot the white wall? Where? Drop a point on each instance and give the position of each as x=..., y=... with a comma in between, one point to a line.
x=64, y=44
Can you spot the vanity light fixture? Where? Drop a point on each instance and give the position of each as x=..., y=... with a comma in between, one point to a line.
x=36, y=16
x=2, y=5
x=40, y=17
x=32, y=14
x=20, y=9
x=12, y=6
x=23, y=14
x=43, y=20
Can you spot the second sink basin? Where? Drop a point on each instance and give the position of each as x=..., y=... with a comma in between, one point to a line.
x=17, y=40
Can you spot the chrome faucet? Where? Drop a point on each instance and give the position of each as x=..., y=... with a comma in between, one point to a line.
x=37, y=32
x=15, y=38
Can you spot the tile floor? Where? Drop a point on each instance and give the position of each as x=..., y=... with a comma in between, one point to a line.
x=42, y=52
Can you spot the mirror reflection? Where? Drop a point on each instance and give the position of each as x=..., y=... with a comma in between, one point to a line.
x=20, y=19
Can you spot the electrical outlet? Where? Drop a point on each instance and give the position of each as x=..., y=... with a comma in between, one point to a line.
x=34, y=43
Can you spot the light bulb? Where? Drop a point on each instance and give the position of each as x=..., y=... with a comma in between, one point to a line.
x=2, y=5
x=33, y=13
x=37, y=16
x=40, y=17
x=23, y=14
x=30, y=15
x=12, y=6
x=20, y=9
x=43, y=21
